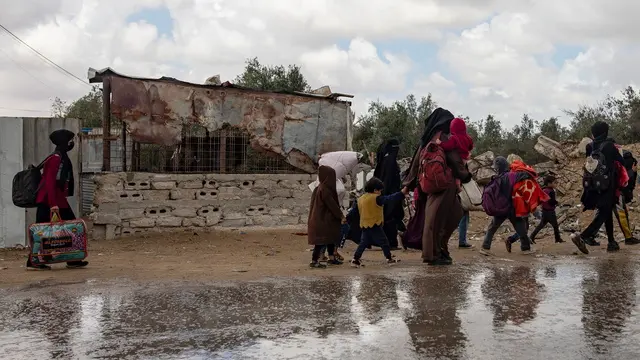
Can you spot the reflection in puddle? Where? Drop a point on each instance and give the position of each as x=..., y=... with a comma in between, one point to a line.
x=566, y=311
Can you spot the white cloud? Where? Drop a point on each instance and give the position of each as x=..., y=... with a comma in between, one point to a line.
x=494, y=56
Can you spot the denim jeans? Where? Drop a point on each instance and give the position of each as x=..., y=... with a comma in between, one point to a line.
x=519, y=224
x=463, y=226
x=373, y=236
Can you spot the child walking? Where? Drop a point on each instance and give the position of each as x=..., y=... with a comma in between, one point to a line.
x=370, y=211
x=548, y=210
x=325, y=218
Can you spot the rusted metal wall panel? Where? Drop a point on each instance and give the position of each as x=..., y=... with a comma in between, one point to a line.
x=299, y=128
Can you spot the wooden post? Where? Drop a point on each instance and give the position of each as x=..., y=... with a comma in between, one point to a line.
x=135, y=156
x=124, y=146
x=106, y=124
x=223, y=152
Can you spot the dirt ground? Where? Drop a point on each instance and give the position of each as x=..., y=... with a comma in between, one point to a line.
x=253, y=253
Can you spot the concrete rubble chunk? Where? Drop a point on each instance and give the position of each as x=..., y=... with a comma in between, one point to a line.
x=551, y=149
x=483, y=175
x=581, y=150
x=486, y=158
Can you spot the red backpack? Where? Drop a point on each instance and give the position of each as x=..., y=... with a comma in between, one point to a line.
x=435, y=175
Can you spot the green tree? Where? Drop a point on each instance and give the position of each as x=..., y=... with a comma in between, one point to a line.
x=402, y=120
x=87, y=109
x=552, y=129
x=274, y=78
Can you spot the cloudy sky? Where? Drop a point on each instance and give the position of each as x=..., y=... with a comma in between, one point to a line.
x=476, y=57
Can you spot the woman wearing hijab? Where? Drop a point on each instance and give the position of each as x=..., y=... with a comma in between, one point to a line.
x=56, y=185
x=325, y=217
x=388, y=171
x=602, y=201
x=443, y=211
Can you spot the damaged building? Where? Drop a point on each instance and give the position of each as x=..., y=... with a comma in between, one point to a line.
x=185, y=155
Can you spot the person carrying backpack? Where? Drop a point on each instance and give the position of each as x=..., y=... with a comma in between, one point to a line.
x=599, y=183
x=56, y=185
x=511, y=195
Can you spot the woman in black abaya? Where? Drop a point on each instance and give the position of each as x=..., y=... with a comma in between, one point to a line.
x=388, y=171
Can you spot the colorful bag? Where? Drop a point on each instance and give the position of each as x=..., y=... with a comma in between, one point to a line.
x=58, y=241
x=434, y=176
x=496, y=198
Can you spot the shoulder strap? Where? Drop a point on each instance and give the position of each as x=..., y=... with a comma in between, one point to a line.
x=41, y=165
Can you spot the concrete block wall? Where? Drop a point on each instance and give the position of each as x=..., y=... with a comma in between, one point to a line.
x=133, y=203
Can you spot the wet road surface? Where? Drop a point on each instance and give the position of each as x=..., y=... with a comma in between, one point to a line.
x=588, y=310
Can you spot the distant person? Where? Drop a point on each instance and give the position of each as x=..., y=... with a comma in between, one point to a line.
x=56, y=185
x=325, y=218
x=525, y=196
x=626, y=196
x=370, y=210
x=549, y=211
x=463, y=228
x=388, y=171
x=600, y=181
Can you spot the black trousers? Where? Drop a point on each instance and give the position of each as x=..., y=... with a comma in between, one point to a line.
x=391, y=231
x=43, y=215
x=319, y=249
x=548, y=217
x=604, y=216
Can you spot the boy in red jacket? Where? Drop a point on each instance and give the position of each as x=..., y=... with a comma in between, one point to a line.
x=549, y=210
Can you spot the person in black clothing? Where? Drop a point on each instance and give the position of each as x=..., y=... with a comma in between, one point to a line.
x=549, y=210
x=604, y=200
x=631, y=164
x=388, y=171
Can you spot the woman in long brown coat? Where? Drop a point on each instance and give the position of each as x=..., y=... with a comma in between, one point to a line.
x=443, y=211
x=325, y=217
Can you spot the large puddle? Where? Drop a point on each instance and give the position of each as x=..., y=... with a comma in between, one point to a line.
x=571, y=311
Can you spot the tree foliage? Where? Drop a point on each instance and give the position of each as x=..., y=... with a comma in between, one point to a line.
x=402, y=120
x=274, y=78
x=87, y=109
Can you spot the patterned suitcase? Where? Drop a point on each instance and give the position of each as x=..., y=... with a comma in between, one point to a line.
x=58, y=241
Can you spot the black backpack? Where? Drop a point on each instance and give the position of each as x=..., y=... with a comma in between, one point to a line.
x=597, y=176
x=26, y=184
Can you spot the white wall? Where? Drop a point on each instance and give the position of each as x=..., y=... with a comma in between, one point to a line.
x=12, y=218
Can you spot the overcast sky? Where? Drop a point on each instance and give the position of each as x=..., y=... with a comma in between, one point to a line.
x=476, y=57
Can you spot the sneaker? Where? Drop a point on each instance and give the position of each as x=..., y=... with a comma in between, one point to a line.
x=528, y=252
x=356, y=263
x=485, y=252
x=392, y=261
x=507, y=244
x=338, y=256
x=38, y=267
x=324, y=259
x=335, y=262
x=465, y=246
x=579, y=243
x=317, y=265
x=77, y=264
x=631, y=241
x=613, y=247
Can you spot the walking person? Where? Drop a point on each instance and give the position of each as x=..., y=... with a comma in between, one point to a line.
x=56, y=185
x=600, y=181
x=370, y=210
x=388, y=171
x=463, y=227
x=325, y=218
x=549, y=211
x=442, y=210
x=517, y=186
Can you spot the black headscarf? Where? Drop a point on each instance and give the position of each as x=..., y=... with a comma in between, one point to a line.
x=439, y=120
x=63, y=140
x=388, y=171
